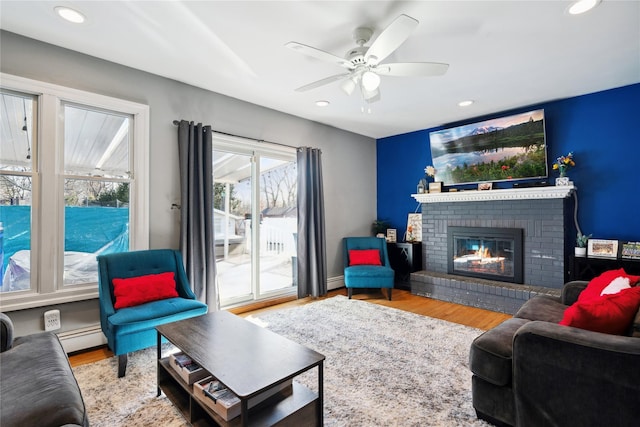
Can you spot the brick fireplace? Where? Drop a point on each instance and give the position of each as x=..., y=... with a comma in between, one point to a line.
x=543, y=216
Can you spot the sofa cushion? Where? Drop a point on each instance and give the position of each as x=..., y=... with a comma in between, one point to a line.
x=364, y=257
x=360, y=276
x=138, y=290
x=38, y=386
x=542, y=307
x=611, y=314
x=491, y=353
x=155, y=311
x=598, y=284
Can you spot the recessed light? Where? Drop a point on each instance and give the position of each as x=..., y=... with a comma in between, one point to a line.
x=69, y=14
x=582, y=6
x=322, y=103
x=465, y=103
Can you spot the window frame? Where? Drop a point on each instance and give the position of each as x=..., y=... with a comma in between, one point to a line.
x=47, y=209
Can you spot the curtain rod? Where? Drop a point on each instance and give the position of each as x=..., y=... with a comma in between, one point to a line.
x=177, y=122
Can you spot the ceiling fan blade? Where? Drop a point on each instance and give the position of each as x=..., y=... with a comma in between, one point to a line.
x=412, y=69
x=390, y=39
x=322, y=82
x=319, y=54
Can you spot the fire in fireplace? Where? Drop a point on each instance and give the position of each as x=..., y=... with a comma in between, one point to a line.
x=488, y=253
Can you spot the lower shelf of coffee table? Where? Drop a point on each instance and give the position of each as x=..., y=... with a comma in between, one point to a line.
x=294, y=406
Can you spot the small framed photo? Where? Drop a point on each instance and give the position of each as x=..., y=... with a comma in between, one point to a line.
x=391, y=235
x=630, y=250
x=485, y=186
x=435, y=187
x=600, y=248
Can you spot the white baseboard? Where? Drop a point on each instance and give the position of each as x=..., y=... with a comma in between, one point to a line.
x=81, y=339
x=335, y=282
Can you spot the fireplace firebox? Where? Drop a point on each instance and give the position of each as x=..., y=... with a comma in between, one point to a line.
x=484, y=252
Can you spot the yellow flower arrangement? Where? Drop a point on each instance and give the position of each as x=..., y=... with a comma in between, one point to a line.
x=563, y=163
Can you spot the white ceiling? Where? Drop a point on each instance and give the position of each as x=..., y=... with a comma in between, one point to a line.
x=502, y=54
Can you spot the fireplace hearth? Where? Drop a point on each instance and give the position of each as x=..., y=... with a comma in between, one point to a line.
x=485, y=252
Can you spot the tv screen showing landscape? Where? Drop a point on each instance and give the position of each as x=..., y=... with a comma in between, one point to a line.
x=501, y=149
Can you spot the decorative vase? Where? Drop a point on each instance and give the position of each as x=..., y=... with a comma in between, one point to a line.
x=563, y=179
x=581, y=252
x=422, y=186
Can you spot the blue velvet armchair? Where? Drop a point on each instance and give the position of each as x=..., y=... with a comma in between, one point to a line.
x=367, y=276
x=133, y=328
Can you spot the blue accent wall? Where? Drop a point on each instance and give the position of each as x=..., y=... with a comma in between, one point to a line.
x=603, y=131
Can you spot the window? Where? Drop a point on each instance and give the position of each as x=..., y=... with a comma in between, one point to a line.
x=73, y=185
x=96, y=189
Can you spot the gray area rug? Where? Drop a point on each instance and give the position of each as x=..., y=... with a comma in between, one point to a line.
x=384, y=367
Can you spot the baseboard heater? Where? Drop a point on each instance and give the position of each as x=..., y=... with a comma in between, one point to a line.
x=82, y=339
x=335, y=282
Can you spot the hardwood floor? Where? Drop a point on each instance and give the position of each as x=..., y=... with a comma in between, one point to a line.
x=403, y=300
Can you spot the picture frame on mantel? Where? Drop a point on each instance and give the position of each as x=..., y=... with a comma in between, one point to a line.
x=435, y=187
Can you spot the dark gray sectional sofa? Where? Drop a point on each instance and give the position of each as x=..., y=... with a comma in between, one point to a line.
x=37, y=386
x=531, y=371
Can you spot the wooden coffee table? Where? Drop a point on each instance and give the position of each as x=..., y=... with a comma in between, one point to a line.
x=248, y=360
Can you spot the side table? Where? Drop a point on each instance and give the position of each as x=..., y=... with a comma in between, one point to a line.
x=405, y=258
x=586, y=268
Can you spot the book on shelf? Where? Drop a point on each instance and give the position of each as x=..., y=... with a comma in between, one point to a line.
x=186, y=368
x=182, y=360
x=213, y=394
x=224, y=397
x=213, y=387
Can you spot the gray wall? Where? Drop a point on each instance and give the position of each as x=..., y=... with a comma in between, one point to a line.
x=349, y=163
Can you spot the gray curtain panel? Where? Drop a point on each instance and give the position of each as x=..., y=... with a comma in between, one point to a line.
x=312, y=257
x=196, y=211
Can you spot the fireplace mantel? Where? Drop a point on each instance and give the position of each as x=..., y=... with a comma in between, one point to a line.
x=549, y=192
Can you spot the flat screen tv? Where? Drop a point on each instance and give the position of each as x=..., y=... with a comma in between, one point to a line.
x=502, y=149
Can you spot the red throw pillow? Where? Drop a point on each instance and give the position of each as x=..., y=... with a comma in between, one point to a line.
x=597, y=284
x=611, y=314
x=138, y=290
x=364, y=257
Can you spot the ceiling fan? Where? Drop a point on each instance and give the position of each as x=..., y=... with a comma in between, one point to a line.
x=364, y=63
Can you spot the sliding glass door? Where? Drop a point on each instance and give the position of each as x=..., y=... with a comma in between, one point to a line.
x=255, y=219
x=278, y=224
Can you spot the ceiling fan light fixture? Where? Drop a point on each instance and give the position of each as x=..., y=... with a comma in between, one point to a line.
x=370, y=80
x=582, y=6
x=70, y=15
x=348, y=86
x=370, y=96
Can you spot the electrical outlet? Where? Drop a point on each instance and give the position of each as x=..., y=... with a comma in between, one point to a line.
x=52, y=320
